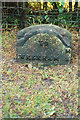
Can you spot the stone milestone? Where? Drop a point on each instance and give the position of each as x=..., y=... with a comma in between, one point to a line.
x=44, y=43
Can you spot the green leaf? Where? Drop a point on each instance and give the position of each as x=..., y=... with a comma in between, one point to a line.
x=58, y=4
x=47, y=19
x=62, y=3
x=46, y=16
x=60, y=9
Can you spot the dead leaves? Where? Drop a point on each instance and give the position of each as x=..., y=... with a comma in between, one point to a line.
x=30, y=91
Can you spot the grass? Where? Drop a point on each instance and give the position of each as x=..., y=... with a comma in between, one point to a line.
x=33, y=92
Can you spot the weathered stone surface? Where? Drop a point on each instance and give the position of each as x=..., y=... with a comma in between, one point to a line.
x=44, y=43
x=59, y=32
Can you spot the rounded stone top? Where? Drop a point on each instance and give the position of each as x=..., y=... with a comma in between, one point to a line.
x=63, y=34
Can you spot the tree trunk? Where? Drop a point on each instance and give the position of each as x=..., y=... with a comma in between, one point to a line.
x=55, y=6
x=75, y=6
x=70, y=5
x=74, y=16
x=45, y=5
x=55, y=12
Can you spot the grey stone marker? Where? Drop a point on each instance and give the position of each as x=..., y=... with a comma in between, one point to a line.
x=45, y=43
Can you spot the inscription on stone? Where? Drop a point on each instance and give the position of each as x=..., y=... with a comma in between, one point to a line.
x=44, y=43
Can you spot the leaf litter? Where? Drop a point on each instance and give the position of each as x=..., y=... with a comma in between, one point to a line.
x=28, y=91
